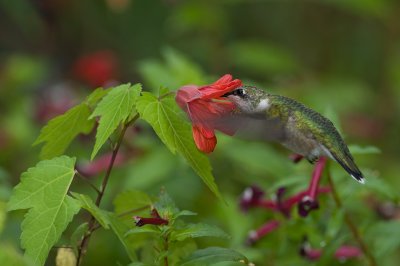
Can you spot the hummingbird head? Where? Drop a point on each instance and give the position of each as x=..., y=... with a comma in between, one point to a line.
x=249, y=99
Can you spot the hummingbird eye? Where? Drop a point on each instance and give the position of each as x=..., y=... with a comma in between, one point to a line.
x=239, y=92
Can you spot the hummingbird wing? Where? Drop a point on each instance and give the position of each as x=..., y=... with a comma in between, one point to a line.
x=250, y=126
x=308, y=128
x=331, y=142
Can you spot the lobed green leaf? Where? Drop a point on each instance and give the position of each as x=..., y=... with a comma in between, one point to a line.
x=114, y=108
x=130, y=200
x=120, y=230
x=87, y=203
x=43, y=189
x=61, y=130
x=164, y=116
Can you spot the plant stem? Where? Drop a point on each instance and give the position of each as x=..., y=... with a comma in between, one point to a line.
x=84, y=178
x=82, y=249
x=166, y=249
x=349, y=222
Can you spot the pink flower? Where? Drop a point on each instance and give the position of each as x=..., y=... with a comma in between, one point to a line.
x=309, y=201
x=204, y=104
x=342, y=253
x=267, y=228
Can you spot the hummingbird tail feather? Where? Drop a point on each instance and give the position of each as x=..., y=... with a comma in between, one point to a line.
x=351, y=168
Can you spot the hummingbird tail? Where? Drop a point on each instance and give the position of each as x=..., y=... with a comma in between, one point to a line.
x=349, y=165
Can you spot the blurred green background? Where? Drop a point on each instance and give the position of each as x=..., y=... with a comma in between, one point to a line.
x=340, y=57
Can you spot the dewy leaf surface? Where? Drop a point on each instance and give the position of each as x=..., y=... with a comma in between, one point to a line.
x=164, y=116
x=114, y=109
x=61, y=130
x=43, y=190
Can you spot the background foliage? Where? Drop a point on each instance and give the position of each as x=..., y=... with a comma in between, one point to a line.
x=341, y=58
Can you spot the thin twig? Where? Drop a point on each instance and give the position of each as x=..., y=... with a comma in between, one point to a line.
x=350, y=224
x=92, y=223
x=166, y=251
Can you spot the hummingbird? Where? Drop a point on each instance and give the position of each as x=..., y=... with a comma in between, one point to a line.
x=295, y=126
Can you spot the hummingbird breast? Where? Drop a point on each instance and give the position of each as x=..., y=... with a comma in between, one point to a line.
x=303, y=141
x=304, y=145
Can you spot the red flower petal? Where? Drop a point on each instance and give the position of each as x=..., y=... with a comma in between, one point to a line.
x=214, y=91
x=205, y=108
x=187, y=94
x=204, y=138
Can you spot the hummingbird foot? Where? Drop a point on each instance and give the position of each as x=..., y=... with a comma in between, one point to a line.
x=296, y=158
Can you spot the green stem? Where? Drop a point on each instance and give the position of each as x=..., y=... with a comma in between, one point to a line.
x=82, y=249
x=166, y=249
x=349, y=222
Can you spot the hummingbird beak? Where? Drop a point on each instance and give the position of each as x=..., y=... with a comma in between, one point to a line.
x=227, y=94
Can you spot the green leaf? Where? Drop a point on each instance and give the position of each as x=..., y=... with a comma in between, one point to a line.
x=43, y=190
x=2, y=215
x=185, y=213
x=354, y=149
x=115, y=108
x=384, y=237
x=61, y=130
x=164, y=116
x=198, y=230
x=261, y=58
x=120, y=230
x=96, y=96
x=175, y=72
x=78, y=235
x=166, y=206
x=88, y=204
x=141, y=230
x=212, y=255
x=131, y=200
x=381, y=186
x=10, y=256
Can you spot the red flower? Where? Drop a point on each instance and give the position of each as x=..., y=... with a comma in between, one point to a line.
x=204, y=105
x=96, y=68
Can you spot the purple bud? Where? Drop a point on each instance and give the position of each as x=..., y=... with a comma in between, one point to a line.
x=140, y=221
x=251, y=197
x=306, y=205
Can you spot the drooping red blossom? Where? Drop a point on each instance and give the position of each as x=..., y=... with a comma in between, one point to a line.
x=140, y=221
x=96, y=68
x=309, y=201
x=252, y=197
x=203, y=105
x=155, y=219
